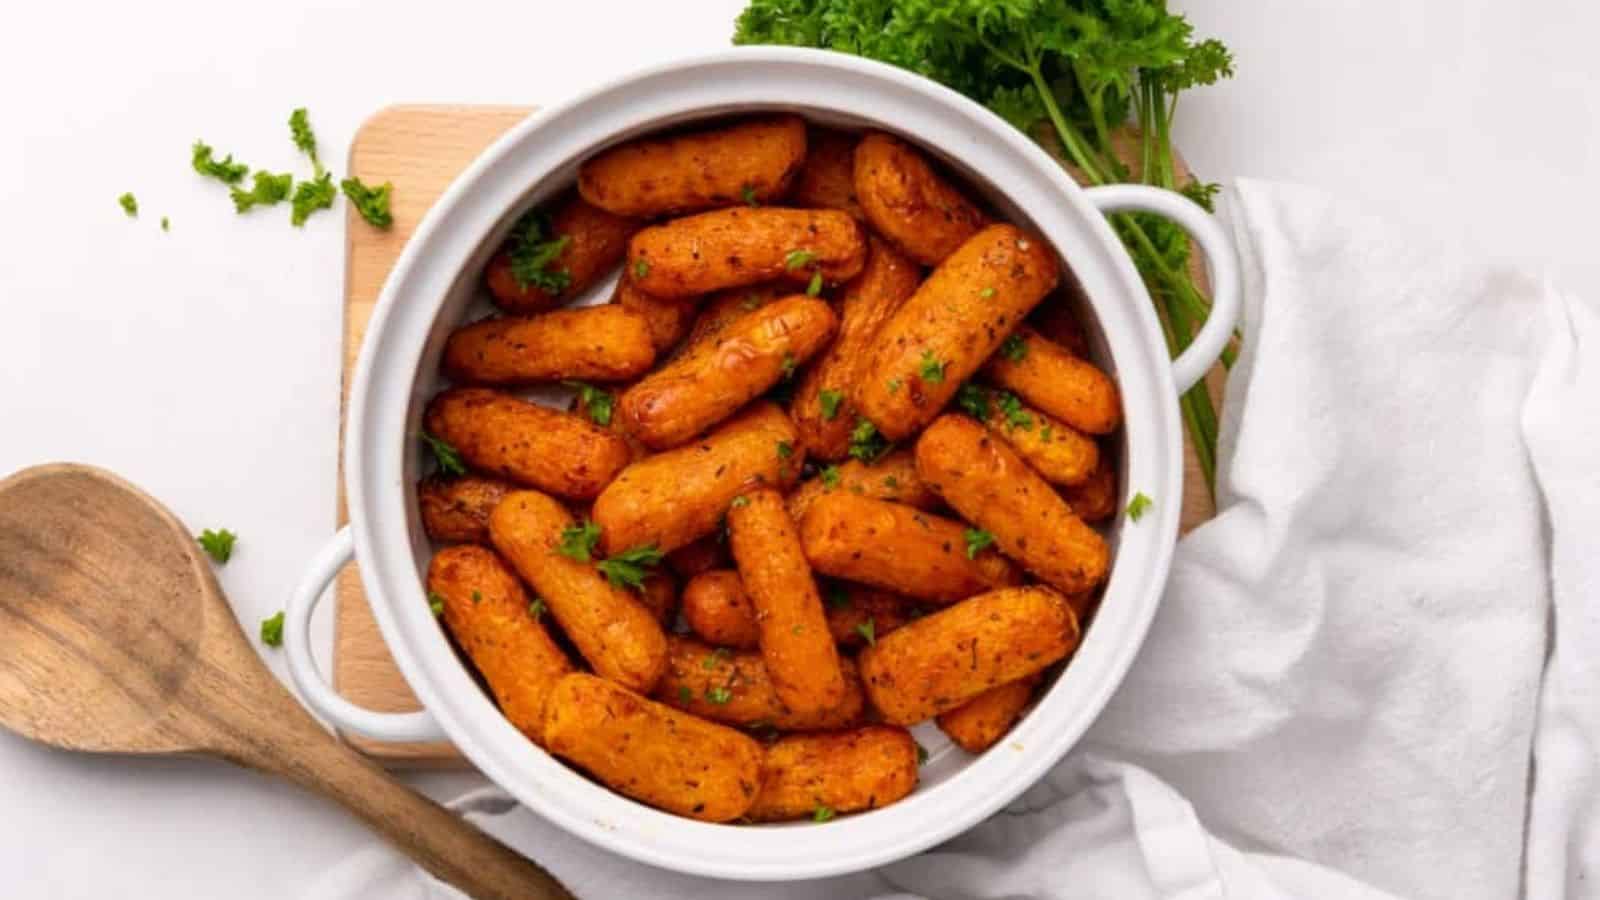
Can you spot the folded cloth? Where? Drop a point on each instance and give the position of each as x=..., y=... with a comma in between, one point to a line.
x=1346, y=692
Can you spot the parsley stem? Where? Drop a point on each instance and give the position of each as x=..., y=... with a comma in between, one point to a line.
x=1071, y=140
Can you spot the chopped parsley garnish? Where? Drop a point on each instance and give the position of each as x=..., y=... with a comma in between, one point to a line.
x=822, y=813
x=435, y=604
x=786, y=366
x=814, y=286
x=300, y=130
x=922, y=753
x=1012, y=409
x=129, y=204
x=630, y=567
x=715, y=658
x=311, y=196
x=891, y=482
x=536, y=608
x=932, y=370
x=267, y=189
x=272, y=630
x=533, y=248
x=866, y=444
x=750, y=303
x=978, y=540
x=226, y=171
x=868, y=630
x=477, y=597
x=838, y=596
x=974, y=401
x=593, y=402
x=718, y=695
x=684, y=694
x=748, y=195
x=218, y=544
x=785, y=450
x=165, y=225
x=372, y=203
x=1014, y=348
x=798, y=259
x=829, y=476
x=986, y=293
x=448, y=457
x=893, y=385
x=641, y=268
x=578, y=541
x=1046, y=433
x=740, y=502
x=1138, y=506
x=829, y=399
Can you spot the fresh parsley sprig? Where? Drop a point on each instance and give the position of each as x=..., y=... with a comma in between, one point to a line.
x=631, y=567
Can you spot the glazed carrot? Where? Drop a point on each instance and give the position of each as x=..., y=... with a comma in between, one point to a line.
x=892, y=477
x=827, y=179
x=795, y=642
x=978, y=724
x=729, y=248
x=456, y=510
x=1068, y=387
x=734, y=687
x=910, y=204
x=595, y=242
x=595, y=343
x=814, y=776
x=717, y=609
x=751, y=161
x=524, y=442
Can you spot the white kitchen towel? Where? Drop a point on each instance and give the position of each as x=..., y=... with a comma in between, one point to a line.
x=1371, y=674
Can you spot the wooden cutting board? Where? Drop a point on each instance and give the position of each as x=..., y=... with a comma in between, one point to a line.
x=421, y=149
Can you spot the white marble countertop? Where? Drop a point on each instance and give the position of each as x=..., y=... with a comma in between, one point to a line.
x=203, y=363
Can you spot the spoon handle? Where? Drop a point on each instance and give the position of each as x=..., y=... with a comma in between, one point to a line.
x=435, y=838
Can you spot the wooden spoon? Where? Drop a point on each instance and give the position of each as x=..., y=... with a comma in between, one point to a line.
x=118, y=640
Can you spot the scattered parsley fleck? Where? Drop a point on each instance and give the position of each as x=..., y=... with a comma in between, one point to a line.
x=986, y=293
x=533, y=248
x=798, y=259
x=814, y=286
x=272, y=630
x=748, y=195
x=448, y=457
x=1012, y=409
x=372, y=203
x=1045, y=433
x=830, y=476
x=593, y=402
x=866, y=444
x=311, y=196
x=536, y=608
x=226, y=171
x=1014, y=348
x=165, y=225
x=740, y=502
x=891, y=482
x=266, y=189
x=715, y=658
x=922, y=753
x=129, y=204
x=750, y=303
x=786, y=366
x=785, y=450
x=578, y=541
x=893, y=385
x=974, y=401
x=822, y=814
x=435, y=604
x=838, y=596
x=932, y=369
x=300, y=130
x=1138, y=506
x=868, y=630
x=684, y=694
x=477, y=596
x=218, y=544
x=718, y=695
x=641, y=268
x=829, y=399
x=978, y=540
x=630, y=567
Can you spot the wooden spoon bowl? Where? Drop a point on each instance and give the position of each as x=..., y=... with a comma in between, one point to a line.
x=118, y=640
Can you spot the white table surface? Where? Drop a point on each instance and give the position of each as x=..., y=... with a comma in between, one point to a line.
x=203, y=363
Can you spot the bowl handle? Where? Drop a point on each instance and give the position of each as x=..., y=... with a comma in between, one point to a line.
x=1196, y=359
x=413, y=726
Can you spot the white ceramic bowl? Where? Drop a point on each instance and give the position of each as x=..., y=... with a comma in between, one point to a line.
x=438, y=277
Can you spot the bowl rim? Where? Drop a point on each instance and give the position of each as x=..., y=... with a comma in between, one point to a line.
x=384, y=406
